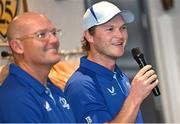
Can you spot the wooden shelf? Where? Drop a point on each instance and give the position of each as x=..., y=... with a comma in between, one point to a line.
x=3, y=44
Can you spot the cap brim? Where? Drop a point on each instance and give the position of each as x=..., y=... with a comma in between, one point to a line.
x=128, y=16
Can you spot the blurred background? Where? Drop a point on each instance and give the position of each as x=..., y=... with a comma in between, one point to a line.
x=156, y=31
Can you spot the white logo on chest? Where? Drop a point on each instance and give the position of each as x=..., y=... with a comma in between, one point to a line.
x=112, y=91
x=47, y=106
x=64, y=102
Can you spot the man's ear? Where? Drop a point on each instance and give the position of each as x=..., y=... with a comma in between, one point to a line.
x=16, y=46
x=88, y=36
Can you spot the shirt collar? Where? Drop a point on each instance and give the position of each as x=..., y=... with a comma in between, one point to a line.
x=27, y=78
x=98, y=69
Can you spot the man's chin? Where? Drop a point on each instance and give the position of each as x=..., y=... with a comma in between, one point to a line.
x=120, y=54
x=55, y=60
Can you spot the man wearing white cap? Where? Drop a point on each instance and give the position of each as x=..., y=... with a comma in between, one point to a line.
x=99, y=91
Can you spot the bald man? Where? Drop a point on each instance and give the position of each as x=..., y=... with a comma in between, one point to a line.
x=27, y=94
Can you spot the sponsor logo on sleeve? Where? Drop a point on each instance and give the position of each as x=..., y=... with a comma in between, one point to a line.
x=88, y=119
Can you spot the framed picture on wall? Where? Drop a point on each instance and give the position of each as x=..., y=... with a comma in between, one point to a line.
x=8, y=10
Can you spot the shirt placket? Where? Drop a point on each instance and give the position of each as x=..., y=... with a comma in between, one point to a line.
x=49, y=93
x=119, y=84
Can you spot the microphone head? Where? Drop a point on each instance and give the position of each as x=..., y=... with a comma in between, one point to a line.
x=139, y=57
x=136, y=52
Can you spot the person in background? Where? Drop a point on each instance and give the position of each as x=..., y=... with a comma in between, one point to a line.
x=27, y=94
x=99, y=91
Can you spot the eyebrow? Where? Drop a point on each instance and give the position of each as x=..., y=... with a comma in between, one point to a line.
x=45, y=30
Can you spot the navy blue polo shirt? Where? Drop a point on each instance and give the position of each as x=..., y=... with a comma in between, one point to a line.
x=25, y=99
x=97, y=94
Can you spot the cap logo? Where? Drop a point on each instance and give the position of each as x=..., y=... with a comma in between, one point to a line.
x=92, y=11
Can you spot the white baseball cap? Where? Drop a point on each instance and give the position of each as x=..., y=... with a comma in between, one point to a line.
x=102, y=12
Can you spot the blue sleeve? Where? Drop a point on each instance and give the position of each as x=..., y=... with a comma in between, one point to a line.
x=87, y=103
x=96, y=117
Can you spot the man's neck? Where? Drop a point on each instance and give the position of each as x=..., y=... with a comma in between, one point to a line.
x=40, y=73
x=104, y=61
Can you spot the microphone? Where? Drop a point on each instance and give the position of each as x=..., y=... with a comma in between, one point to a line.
x=139, y=57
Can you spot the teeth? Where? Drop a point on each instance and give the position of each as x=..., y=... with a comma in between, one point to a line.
x=119, y=43
x=53, y=49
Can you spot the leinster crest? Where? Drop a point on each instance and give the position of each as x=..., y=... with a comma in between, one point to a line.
x=8, y=10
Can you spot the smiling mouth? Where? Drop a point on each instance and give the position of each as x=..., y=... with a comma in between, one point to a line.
x=119, y=44
x=53, y=49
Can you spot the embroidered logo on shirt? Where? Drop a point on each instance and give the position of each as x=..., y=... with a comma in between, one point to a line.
x=47, y=106
x=88, y=119
x=112, y=91
x=64, y=102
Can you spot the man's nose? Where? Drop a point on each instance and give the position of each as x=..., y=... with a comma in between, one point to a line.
x=119, y=33
x=53, y=38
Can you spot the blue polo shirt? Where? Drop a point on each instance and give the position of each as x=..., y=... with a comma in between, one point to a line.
x=97, y=94
x=24, y=99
